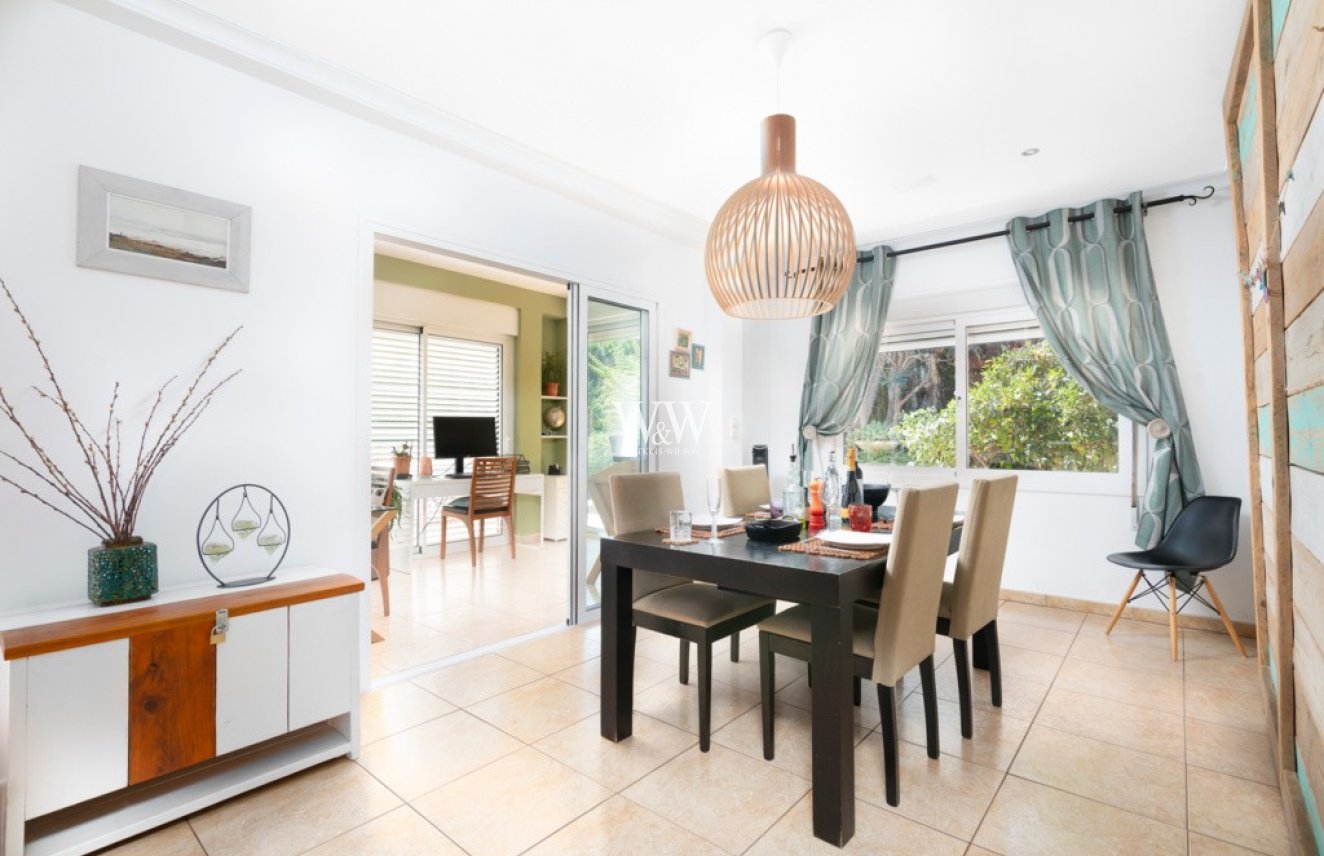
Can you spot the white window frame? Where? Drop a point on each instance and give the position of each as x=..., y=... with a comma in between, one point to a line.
x=956, y=325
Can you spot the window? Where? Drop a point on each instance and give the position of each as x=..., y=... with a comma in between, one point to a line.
x=983, y=394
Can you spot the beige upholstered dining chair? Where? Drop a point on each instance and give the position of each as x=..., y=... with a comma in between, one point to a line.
x=690, y=611
x=970, y=602
x=744, y=489
x=491, y=495
x=890, y=641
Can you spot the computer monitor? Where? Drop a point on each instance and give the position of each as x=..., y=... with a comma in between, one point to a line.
x=461, y=437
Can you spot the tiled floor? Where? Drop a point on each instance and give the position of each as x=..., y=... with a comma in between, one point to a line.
x=1103, y=745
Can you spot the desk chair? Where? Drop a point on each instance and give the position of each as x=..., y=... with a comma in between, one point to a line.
x=491, y=495
x=1203, y=538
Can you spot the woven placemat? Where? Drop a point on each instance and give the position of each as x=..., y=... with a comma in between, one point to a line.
x=882, y=526
x=672, y=543
x=738, y=529
x=815, y=547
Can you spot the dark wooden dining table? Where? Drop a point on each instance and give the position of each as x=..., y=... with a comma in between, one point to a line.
x=829, y=586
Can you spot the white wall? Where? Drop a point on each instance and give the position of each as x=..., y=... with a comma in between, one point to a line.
x=75, y=89
x=1059, y=541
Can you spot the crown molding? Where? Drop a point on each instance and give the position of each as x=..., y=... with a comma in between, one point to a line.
x=205, y=35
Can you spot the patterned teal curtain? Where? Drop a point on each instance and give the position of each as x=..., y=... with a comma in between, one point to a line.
x=841, y=375
x=1092, y=288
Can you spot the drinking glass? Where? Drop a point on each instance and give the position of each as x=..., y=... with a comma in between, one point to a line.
x=714, y=506
x=861, y=518
x=680, y=525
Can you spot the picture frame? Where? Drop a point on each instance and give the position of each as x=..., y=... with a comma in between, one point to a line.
x=680, y=362
x=138, y=227
x=684, y=338
x=697, y=355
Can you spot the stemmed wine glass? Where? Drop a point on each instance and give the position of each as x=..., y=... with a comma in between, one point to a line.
x=714, y=506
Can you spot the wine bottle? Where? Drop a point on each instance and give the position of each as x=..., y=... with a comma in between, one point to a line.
x=852, y=492
x=832, y=492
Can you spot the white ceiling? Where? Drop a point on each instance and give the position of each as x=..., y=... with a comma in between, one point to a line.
x=914, y=113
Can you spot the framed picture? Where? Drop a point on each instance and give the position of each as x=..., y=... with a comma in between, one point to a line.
x=680, y=362
x=684, y=338
x=138, y=227
x=697, y=353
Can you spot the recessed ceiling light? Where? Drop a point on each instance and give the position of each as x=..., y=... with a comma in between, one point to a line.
x=1030, y=152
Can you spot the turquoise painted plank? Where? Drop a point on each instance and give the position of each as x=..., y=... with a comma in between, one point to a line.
x=1312, y=806
x=1305, y=428
x=1250, y=117
x=1266, y=432
x=1278, y=12
x=1273, y=667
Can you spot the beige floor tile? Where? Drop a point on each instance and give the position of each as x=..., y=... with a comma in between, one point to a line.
x=410, y=656
x=1226, y=706
x=745, y=674
x=800, y=694
x=294, y=814
x=525, y=797
x=659, y=648
x=1208, y=643
x=555, y=652
x=1203, y=845
x=1114, y=722
x=1029, y=818
x=876, y=832
x=535, y=710
x=1228, y=669
x=647, y=673
x=1246, y=754
x=616, y=766
x=979, y=851
x=996, y=735
x=177, y=839
x=475, y=680
x=1135, y=652
x=1149, y=634
x=678, y=704
x=1143, y=689
x=791, y=737
x=1042, y=639
x=393, y=708
x=620, y=827
x=1028, y=665
x=1135, y=781
x=1238, y=811
x=948, y=794
x=1021, y=697
x=722, y=795
x=427, y=756
x=402, y=832
x=1066, y=620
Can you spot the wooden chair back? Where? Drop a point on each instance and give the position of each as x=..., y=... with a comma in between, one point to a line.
x=492, y=486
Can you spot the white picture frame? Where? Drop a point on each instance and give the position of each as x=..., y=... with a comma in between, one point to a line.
x=138, y=227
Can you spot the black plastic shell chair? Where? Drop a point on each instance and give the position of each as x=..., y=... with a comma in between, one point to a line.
x=1203, y=538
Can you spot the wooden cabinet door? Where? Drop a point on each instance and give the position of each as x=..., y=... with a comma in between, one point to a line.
x=324, y=651
x=252, y=673
x=172, y=700
x=77, y=725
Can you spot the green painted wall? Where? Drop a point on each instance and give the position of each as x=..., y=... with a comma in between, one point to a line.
x=534, y=308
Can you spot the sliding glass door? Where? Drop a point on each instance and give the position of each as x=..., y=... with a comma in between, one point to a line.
x=610, y=390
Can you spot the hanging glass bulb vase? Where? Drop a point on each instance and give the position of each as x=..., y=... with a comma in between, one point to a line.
x=218, y=544
x=272, y=535
x=246, y=520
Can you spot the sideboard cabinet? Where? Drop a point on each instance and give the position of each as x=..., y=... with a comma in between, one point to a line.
x=116, y=720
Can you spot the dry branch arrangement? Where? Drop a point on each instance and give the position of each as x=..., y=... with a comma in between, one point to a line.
x=110, y=510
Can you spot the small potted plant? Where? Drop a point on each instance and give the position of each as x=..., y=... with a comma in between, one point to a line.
x=123, y=568
x=553, y=373
x=403, y=458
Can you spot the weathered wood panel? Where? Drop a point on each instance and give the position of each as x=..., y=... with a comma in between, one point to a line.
x=1260, y=324
x=1265, y=418
x=1310, y=750
x=1263, y=388
x=1266, y=486
x=1305, y=424
x=1303, y=268
x=1305, y=348
x=1299, y=76
x=1308, y=509
x=1308, y=609
x=1305, y=183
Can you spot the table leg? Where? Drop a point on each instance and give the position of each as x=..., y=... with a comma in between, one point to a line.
x=833, y=725
x=617, y=652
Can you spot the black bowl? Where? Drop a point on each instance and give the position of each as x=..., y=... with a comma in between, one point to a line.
x=780, y=531
x=876, y=495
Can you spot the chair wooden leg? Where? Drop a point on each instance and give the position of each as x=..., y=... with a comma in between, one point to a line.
x=994, y=662
x=735, y=647
x=443, y=537
x=1126, y=598
x=482, y=533
x=1222, y=613
x=1172, y=613
x=473, y=546
x=962, y=665
x=684, y=662
x=510, y=533
x=767, y=678
x=929, y=686
x=891, y=779
x=705, y=693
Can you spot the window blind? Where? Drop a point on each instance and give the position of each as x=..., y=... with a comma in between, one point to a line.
x=396, y=375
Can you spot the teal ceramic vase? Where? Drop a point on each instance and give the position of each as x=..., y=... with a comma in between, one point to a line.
x=121, y=573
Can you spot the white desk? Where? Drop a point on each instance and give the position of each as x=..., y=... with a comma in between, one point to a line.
x=415, y=490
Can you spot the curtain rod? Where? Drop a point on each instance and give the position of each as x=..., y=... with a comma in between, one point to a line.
x=1189, y=199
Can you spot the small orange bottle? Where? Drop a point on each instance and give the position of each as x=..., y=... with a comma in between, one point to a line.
x=816, y=519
